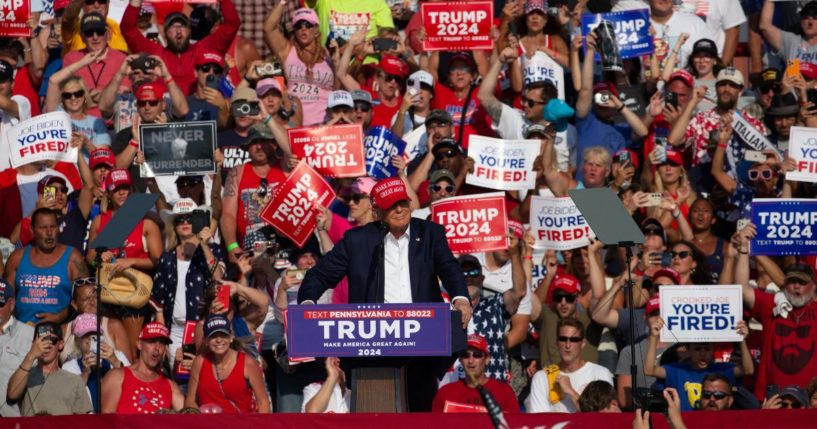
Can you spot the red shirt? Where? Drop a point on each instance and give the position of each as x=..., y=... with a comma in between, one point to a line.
x=250, y=201
x=477, y=120
x=788, y=353
x=134, y=246
x=461, y=393
x=142, y=397
x=234, y=394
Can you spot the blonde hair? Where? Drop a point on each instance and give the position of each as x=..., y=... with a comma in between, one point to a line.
x=78, y=80
x=601, y=153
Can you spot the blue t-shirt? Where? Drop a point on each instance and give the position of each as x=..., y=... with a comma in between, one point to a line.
x=200, y=110
x=593, y=132
x=689, y=381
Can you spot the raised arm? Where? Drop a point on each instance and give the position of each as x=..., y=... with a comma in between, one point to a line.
x=676, y=135
x=742, y=268
x=348, y=81
x=651, y=367
x=585, y=100
x=770, y=32
x=273, y=36
x=488, y=86
x=53, y=95
x=729, y=184
x=514, y=296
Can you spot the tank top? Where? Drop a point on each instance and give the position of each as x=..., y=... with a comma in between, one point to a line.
x=715, y=260
x=314, y=92
x=251, y=201
x=234, y=396
x=144, y=397
x=42, y=290
x=135, y=246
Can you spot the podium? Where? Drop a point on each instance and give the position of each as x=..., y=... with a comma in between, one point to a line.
x=384, y=348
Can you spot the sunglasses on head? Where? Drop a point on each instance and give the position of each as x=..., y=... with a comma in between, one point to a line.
x=75, y=94
x=217, y=69
x=178, y=220
x=477, y=354
x=304, y=24
x=94, y=32
x=707, y=394
x=85, y=281
x=474, y=272
x=575, y=340
x=363, y=107
x=557, y=298
x=530, y=102
x=445, y=154
x=357, y=197
x=438, y=188
x=755, y=174
x=151, y=103
x=682, y=254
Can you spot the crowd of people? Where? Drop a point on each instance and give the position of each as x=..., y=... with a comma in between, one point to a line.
x=200, y=324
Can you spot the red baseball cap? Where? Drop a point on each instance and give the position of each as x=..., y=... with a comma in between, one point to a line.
x=48, y=180
x=517, y=228
x=393, y=66
x=209, y=57
x=566, y=282
x=389, y=192
x=61, y=4
x=150, y=91
x=652, y=305
x=668, y=273
x=101, y=156
x=684, y=76
x=808, y=70
x=675, y=157
x=605, y=86
x=153, y=331
x=117, y=178
x=476, y=341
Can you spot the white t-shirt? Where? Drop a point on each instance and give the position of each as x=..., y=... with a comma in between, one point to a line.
x=539, y=399
x=512, y=126
x=338, y=402
x=500, y=281
x=622, y=5
x=682, y=23
x=28, y=188
x=719, y=16
x=180, y=302
x=6, y=122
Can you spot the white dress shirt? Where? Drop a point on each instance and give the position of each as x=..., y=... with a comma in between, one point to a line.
x=397, y=287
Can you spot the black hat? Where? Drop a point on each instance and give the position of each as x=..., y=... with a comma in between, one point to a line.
x=810, y=9
x=192, y=180
x=144, y=63
x=705, y=45
x=652, y=224
x=770, y=75
x=176, y=16
x=783, y=105
x=93, y=21
x=440, y=116
x=470, y=260
x=6, y=71
x=446, y=143
x=799, y=271
x=44, y=329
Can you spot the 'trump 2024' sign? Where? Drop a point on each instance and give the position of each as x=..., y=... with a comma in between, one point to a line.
x=347, y=330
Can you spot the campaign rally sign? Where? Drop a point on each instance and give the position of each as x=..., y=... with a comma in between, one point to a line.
x=502, y=164
x=44, y=137
x=361, y=330
x=178, y=149
x=14, y=15
x=701, y=314
x=380, y=145
x=416, y=143
x=632, y=30
x=473, y=223
x=292, y=210
x=784, y=226
x=803, y=148
x=541, y=67
x=557, y=224
x=335, y=151
x=744, y=137
x=457, y=26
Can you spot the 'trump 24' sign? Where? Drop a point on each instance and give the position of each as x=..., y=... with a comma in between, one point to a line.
x=347, y=330
x=784, y=226
x=473, y=223
x=457, y=26
x=335, y=151
x=632, y=30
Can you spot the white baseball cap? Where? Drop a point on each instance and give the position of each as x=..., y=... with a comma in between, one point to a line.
x=340, y=98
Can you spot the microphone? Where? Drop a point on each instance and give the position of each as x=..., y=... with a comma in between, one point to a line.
x=494, y=410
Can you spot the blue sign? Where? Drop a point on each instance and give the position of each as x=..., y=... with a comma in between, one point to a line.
x=380, y=145
x=632, y=30
x=784, y=226
x=361, y=330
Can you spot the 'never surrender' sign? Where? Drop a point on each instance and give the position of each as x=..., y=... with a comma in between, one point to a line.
x=784, y=226
x=335, y=151
x=557, y=224
x=502, y=164
x=473, y=223
x=360, y=330
x=457, y=26
x=44, y=137
x=701, y=313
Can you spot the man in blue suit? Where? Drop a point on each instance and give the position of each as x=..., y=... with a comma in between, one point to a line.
x=412, y=254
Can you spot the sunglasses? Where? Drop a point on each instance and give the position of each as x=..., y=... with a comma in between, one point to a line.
x=446, y=154
x=90, y=2
x=755, y=174
x=357, y=197
x=707, y=394
x=208, y=67
x=794, y=405
x=186, y=184
x=477, y=354
x=144, y=103
x=438, y=188
x=770, y=87
x=84, y=281
x=476, y=272
x=460, y=69
x=304, y=24
x=61, y=189
x=93, y=32
x=683, y=254
x=574, y=340
x=569, y=298
x=392, y=78
x=182, y=219
x=341, y=109
x=75, y=94
x=800, y=282
x=363, y=107
x=530, y=103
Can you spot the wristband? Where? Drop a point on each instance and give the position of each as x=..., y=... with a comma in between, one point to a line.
x=169, y=80
x=213, y=261
x=528, y=257
x=26, y=370
x=266, y=121
x=676, y=213
x=722, y=145
x=133, y=143
x=232, y=246
x=621, y=107
x=742, y=252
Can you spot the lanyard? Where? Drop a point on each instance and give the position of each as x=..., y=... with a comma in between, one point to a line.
x=96, y=78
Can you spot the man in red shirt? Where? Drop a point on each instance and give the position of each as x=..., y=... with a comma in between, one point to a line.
x=463, y=395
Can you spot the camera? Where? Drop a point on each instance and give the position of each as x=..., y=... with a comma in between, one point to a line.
x=601, y=98
x=245, y=108
x=553, y=11
x=384, y=44
x=650, y=400
x=269, y=69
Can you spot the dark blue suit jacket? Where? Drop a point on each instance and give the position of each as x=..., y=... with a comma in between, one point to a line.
x=359, y=257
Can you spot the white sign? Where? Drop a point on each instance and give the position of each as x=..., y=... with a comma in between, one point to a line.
x=44, y=137
x=701, y=313
x=541, y=67
x=803, y=149
x=502, y=164
x=557, y=224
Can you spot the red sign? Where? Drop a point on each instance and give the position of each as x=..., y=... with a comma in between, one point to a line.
x=335, y=151
x=14, y=16
x=473, y=223
x=293, y=209
x=458, y=26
